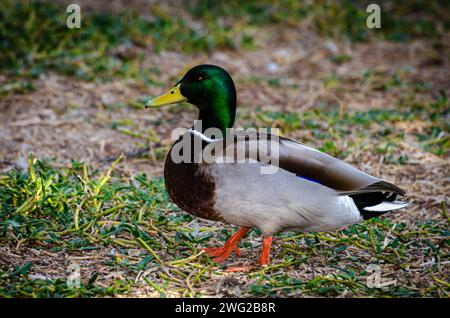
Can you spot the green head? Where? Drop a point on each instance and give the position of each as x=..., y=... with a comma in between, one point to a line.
x=209, y=88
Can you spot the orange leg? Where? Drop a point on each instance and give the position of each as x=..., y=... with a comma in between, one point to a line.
x=220, y=254
x=264, y=260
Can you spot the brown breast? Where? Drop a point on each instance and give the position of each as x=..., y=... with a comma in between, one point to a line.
x=190, y=188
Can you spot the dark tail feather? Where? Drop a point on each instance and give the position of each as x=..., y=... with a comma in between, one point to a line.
x=380, y=186
x=376, y=203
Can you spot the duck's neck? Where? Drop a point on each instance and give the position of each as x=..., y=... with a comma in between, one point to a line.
x=220, y=113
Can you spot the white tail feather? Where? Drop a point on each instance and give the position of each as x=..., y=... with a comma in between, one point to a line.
x=386, y=206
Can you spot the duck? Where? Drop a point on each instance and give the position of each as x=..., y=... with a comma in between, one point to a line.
x=308, y=191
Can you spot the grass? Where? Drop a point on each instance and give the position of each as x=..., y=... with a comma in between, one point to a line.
x=35, y=38
x=72, y=210
x=334, y=18
x=17, y=283
x=331, y=128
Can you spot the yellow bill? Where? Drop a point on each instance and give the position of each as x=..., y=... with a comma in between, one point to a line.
x=171, y=97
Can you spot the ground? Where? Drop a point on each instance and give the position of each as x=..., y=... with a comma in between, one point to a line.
x=72, y=103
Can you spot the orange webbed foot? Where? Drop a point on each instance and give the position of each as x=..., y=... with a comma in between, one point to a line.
x=218, y=251
x=220, y=254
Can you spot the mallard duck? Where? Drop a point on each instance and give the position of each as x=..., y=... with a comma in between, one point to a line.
x=310, y=192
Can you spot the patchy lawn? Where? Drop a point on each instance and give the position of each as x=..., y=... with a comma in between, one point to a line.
x=71, y=103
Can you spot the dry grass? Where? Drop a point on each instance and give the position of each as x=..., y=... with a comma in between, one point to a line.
x=379, y=105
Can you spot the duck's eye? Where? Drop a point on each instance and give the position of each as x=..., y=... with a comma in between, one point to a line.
x=200, y=78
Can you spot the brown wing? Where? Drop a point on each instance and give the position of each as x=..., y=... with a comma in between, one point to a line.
x=329, y=171
x=313, y=164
